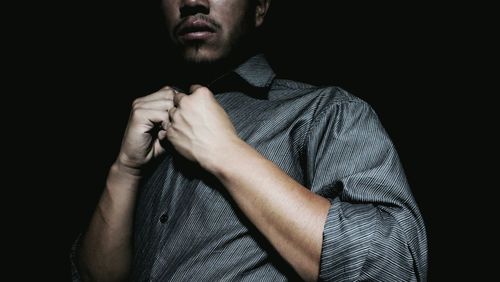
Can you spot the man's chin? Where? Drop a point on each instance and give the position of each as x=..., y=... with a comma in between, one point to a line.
x=199, y=56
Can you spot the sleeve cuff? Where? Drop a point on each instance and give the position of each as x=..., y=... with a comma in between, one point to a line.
x=347, y=237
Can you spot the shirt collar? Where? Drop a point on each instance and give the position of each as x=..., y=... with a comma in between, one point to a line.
x=253, y=77
x=256, y=71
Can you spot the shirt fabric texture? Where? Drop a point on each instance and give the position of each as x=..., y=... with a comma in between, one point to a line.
x=187, y=227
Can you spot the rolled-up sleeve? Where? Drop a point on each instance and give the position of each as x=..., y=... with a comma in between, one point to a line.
x=374, y=230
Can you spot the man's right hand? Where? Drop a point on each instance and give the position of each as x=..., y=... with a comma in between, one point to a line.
x=146, y=130
x=106, y=252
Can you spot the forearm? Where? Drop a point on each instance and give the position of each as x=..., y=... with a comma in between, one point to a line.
x=289, y=215
x=105, y=253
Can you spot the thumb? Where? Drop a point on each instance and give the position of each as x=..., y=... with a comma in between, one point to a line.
x=195, y=87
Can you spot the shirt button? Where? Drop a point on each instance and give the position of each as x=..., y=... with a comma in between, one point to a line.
x=163, y=218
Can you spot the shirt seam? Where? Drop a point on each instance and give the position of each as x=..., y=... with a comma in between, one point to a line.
x=308, y=131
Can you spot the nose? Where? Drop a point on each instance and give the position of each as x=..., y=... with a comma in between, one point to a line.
x=193, y=7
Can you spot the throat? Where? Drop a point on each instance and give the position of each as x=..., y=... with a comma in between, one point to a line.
x=207, y=73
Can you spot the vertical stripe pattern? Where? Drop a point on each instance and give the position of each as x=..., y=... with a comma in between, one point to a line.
x=187, y=228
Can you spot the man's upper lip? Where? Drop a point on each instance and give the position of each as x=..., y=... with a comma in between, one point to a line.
x=194, y=25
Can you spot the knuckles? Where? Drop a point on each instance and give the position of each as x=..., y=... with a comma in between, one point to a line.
x=203, y=91
x=136, y=103
x=137, y=114
x=167, y=93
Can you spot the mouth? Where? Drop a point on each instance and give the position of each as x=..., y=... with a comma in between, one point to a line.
x=195, y=29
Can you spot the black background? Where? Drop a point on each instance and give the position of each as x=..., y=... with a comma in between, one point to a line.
x=79, y=66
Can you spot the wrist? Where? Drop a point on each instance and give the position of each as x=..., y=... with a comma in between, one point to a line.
x=229, y=156
x=122, y=176
x=125, y=167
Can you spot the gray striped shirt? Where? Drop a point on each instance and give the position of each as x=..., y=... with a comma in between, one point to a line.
x=187, y=228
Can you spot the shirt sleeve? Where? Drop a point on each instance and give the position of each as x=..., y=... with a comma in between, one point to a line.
x=374, y=230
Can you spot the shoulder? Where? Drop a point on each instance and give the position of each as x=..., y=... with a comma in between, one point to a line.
x=326, y=98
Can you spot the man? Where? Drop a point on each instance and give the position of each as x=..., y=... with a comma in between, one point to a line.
x=253, y=178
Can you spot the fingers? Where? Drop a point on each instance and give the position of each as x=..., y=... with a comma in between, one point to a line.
x=200, y=91
x=195, y=87
x=162, y=135
x=171, y=114
x=162, y=104
x=164, y=93
x=160, y=100
x=151, y=117
x=153, y=109
x=177, y=98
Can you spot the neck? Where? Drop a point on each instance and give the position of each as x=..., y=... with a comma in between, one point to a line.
x=205, y=73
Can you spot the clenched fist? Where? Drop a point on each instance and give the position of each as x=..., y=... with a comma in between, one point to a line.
x=146, y=129
x=200, y=129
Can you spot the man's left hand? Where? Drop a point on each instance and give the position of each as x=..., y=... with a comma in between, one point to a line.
x=200, y=128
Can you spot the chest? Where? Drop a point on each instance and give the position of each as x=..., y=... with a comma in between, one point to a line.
x=183, y=203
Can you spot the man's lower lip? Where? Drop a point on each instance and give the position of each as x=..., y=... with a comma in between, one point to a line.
x=198, y=35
